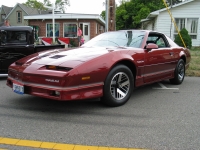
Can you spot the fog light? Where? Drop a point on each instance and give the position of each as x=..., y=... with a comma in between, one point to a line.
x=57, y=93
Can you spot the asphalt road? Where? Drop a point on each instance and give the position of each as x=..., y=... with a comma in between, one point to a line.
x=159, y=116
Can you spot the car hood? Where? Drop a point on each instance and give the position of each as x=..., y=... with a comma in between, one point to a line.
x=69, y=57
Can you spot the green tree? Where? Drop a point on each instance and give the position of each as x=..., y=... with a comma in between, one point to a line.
x=103, y=15
x=130, y=13
x=59, y=4
x=186, y=38
x=62, y=5
x=35, y=4
x=47, y=2
x=124, y=16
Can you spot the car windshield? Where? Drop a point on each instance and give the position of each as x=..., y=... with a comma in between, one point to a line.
x=117, y=39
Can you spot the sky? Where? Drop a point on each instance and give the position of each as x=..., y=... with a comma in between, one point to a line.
x=76, y=6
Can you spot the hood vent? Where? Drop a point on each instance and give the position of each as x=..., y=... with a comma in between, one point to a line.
x=57, y=56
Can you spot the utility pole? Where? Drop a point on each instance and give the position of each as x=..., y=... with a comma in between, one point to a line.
x=171, y=22
x=53, y=19
x=53, y=9
x=106, y=4
x=110, y=15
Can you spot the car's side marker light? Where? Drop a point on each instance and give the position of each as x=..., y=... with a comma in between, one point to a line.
x=86, y=78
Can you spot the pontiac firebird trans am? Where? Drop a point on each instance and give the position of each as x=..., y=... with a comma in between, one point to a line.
x=108, y=67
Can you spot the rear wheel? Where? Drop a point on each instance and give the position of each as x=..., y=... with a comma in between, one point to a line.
x=179, y=73
x=118, y=86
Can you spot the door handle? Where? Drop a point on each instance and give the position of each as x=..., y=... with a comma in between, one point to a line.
x=171, y=53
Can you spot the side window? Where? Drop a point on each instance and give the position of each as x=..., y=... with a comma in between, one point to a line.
x=161, y=43
x=157, y=39
x=152, y=39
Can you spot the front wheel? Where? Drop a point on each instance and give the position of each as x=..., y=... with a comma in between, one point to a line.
x=179, y=73
x=118, y=86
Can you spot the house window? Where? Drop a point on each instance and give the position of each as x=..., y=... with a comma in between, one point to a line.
x=19, y=17
x=86, y=29
x=101, y=29
x=49, y=27
x=180, y=22
x=191, y=25
x=97, y=28
x=70, y=29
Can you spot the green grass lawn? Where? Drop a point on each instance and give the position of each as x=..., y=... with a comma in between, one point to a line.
x=194, y=68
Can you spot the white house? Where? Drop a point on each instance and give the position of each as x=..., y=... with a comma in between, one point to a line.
x=185, y=14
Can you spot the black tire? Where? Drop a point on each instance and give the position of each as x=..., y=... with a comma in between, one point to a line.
x=118, y=86
x=179, y=73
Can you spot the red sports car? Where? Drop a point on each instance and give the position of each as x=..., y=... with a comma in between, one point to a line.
x=108, y=67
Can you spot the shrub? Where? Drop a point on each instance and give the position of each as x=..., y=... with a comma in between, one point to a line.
x=186, y=38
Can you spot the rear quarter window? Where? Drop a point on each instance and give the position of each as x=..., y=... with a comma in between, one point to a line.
x=171, y=43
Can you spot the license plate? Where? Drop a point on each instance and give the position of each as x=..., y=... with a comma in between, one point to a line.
x=17, y=88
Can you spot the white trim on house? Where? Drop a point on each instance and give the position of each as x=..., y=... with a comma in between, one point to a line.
x=161, y=21
x=14, y=9
x=65, y=16
x=157, y=12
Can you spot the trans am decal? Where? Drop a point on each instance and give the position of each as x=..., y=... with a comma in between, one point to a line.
x=52, y=80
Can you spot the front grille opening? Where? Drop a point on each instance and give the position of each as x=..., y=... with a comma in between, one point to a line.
x=55, y=93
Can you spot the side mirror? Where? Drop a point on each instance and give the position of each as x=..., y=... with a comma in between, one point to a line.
x=151, y=46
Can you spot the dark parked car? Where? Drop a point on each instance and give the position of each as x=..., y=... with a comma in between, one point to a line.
x=108, y=67
x=17, y=42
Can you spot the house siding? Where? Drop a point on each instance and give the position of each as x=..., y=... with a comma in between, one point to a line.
x=149, y=26
x=155, y=24
x=189, y=10
x=13, y=17
x=163, y=23
x=42, y=25
x=2, y=12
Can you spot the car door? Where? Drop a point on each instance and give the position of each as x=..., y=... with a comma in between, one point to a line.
x=159, y=62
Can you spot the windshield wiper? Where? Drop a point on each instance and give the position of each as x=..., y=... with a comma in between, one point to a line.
x=122, y=47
